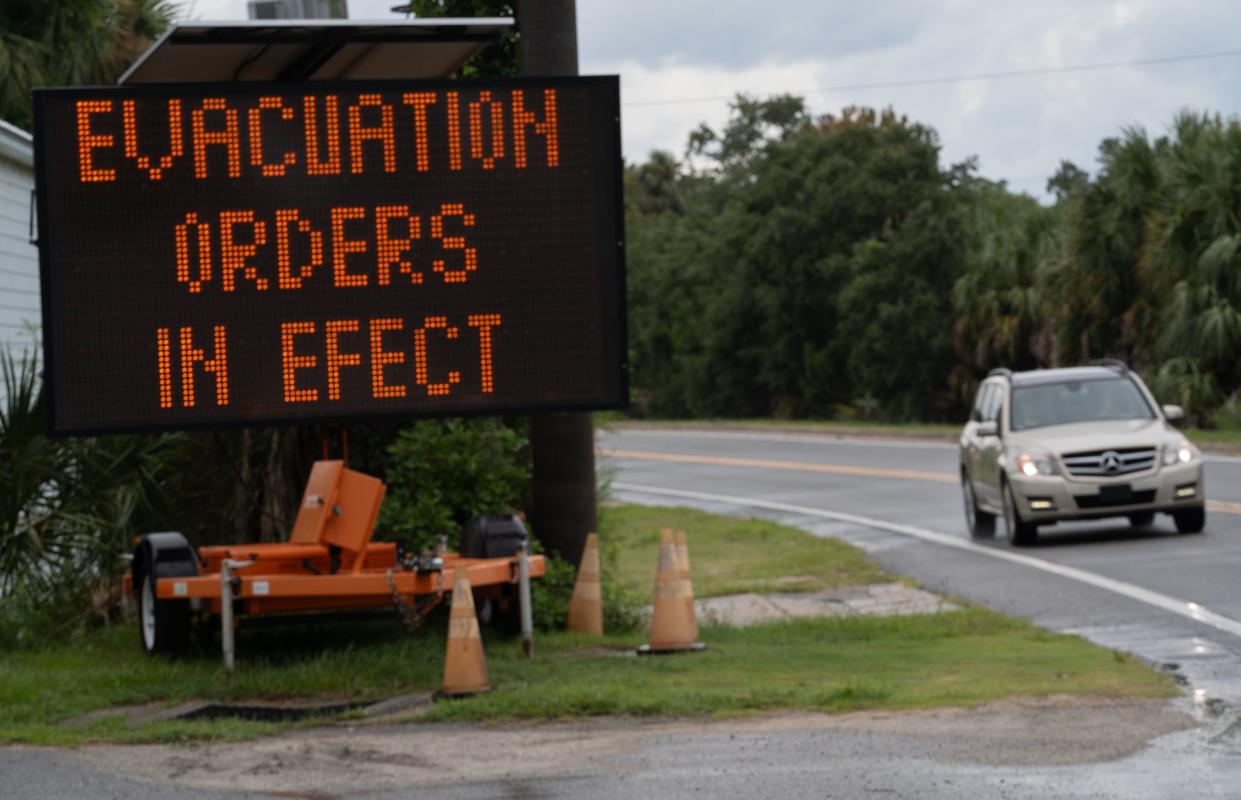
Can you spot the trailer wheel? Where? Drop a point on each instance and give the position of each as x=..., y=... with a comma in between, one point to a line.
x=501, y=614
x=163, y=624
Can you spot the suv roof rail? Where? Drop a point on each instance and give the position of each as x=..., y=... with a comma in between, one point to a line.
x=1111, y=363
x=1003, y=372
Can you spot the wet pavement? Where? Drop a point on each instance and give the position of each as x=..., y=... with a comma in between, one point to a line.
x=1014, y=749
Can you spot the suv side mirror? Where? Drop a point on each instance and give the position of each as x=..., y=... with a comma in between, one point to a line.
x=1174, y=413
x=988, y=428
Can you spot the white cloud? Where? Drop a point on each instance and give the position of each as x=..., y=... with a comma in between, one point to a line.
x=1020, y=128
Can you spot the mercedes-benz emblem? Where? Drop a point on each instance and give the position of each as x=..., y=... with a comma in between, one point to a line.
x=1110, y=462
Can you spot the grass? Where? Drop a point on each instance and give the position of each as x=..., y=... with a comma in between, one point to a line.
x=107, y=668
x=730, y=555
x=956, y=658
x=840, y=664
x=1222, y=439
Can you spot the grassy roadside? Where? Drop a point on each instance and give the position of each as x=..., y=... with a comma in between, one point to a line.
x=1216, y=440
x=1222, y=441
x=958, y=658
x=730, y=555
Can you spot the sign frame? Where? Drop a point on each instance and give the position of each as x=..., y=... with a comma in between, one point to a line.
x=609, y=182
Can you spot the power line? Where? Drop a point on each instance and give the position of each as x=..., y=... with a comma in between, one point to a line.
x=986, y=76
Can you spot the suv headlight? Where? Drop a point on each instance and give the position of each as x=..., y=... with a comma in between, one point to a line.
x=1183, y=453
x=1034, y=462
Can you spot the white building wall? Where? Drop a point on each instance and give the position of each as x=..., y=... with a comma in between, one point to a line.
x=19, y=259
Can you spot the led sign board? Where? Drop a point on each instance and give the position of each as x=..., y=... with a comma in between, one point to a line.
x=218, y=254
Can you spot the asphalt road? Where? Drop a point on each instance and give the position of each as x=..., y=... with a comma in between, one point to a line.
x=1171, y=598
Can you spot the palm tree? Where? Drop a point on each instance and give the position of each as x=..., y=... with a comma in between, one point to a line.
x=71, y=43
x=999, y=303
x=1104, y=304
x=1194, y=260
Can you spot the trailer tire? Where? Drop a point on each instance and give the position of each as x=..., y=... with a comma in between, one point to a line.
x=164, y=626
x=500, y=614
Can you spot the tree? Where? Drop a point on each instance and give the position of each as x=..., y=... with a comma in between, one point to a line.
x=71, y=43
x=796, y=269
x=499, y=59
x=752, y=125
x=999, y=302
x=1067, y=180
x=1192, y=261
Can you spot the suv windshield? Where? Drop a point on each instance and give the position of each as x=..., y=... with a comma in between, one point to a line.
x=1077, y=401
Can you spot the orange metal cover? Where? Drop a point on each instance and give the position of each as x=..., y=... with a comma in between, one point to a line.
x=317, y=501
x=359, y=497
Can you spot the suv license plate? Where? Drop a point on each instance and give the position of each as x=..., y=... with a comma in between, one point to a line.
x=1119, y=494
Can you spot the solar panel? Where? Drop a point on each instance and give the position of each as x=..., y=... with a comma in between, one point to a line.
x=312, y=50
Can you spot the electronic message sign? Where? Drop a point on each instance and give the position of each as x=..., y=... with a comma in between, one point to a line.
x=216, y=254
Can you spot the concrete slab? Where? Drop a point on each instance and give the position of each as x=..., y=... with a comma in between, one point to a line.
x=880, y=599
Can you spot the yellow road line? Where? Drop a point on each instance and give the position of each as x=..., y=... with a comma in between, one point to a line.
x=832, y=469
x=797, y=466
x=1223, y=508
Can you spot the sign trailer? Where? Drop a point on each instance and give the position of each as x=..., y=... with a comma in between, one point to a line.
x=248, y=253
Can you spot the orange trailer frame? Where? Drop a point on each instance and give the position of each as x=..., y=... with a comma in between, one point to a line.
x=329, y=563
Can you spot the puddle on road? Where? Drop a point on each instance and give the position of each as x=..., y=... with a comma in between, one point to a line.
x=1206, y=668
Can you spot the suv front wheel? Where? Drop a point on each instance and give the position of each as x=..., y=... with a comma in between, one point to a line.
x=1190, y=520
x=1020, y=533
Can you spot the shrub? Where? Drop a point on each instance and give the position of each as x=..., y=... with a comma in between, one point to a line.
x=1228, y=416
x=550, y=595
x=442, y=473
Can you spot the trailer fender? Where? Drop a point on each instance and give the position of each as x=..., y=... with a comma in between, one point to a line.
x=493, y=536
x=165, y=555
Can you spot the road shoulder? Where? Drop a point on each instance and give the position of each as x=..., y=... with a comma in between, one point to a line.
x=1044, y=732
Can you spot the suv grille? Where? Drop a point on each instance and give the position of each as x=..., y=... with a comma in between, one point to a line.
x=1100, y=501
x=1106, y=463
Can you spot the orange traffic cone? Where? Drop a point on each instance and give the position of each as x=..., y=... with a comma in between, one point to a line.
x=683, y=563
x=672, y=621
x=465, y=666
x=586, y=605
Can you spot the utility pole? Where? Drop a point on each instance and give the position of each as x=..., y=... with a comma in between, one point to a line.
x=563, y=444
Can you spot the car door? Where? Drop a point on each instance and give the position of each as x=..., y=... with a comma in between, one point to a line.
x=990, y=448
x=972, y=442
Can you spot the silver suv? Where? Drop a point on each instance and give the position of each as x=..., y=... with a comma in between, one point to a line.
x=1076, y=443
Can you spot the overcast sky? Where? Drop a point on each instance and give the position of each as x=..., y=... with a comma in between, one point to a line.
x=681, y=60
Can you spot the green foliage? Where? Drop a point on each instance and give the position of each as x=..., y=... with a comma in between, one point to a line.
x=1228, y=416
x=71, y=42
x=67, y=511
x=442, y=473
x=498, y=59
x=793, y=267
x=550, y=594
